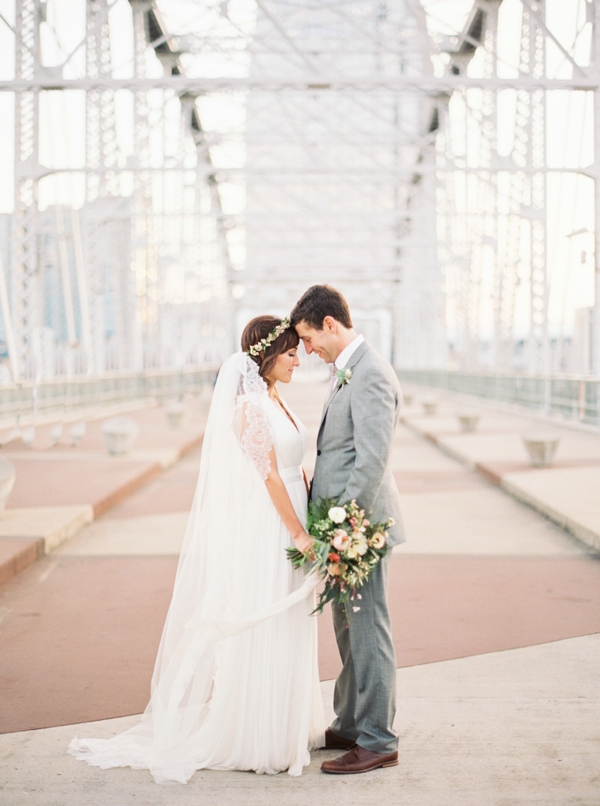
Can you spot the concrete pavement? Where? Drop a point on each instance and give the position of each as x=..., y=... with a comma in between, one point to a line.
x=61, y=487
x=567, y=492
x=496, y=616
x=510, y=728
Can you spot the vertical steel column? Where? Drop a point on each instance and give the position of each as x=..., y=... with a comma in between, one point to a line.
x=519, y=165
x=511, y=257
x=143, y=235
x=82, y=288
x=101, y=139
x=65, y=275
x=539, y=357
x=595, y=363
x=485, y=223
x=101, y=174
x=8, y=324
x=27, y=171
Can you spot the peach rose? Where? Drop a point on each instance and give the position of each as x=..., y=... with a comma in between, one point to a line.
x=334, y=569
x=378, y=540
x=340, y=539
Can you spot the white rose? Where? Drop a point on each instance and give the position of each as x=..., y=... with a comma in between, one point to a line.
x=337, y=514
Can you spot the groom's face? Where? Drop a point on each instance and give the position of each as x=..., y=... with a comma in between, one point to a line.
x=322, y=342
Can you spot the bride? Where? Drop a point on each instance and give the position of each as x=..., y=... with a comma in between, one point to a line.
x=235, y=686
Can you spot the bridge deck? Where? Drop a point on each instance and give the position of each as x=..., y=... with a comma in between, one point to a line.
x=496, y=616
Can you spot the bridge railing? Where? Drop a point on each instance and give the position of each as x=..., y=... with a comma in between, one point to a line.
x=573, y=397
x=64, y=394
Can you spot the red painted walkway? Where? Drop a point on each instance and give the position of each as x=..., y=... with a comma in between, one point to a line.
x=80, y=638
x=79, y=634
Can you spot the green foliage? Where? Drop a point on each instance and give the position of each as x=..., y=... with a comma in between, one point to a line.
x=345, y=569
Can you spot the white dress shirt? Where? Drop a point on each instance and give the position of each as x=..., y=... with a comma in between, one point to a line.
x=343, y=358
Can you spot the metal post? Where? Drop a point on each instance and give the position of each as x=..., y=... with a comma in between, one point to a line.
x=86, y=333
x=595, y=357
x=27, y=172
x=102, y=180
x=8, y=326
x=65, y=276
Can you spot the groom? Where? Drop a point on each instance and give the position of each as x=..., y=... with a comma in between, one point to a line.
x=353, y=453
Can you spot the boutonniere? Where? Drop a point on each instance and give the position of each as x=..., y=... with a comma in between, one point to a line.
x=343, y=376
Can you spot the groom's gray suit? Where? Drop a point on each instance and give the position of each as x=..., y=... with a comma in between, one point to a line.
x=353, y=453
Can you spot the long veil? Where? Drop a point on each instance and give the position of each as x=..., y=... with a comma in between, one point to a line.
x=208, y=603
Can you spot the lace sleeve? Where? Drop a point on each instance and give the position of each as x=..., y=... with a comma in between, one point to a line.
x=254, y=435
x=251, y=425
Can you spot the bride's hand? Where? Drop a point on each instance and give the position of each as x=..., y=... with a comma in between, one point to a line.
x=304, y=543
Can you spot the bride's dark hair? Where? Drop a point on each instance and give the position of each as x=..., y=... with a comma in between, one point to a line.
x=259, y=328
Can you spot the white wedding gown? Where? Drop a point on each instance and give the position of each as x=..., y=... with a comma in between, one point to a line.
x=236, y=680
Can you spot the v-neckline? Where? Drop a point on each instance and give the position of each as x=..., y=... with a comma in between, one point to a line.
x=287, y=416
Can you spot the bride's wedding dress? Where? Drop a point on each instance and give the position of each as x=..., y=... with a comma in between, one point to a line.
x=236, y=684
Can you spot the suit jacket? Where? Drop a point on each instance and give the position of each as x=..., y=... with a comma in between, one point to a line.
x=355, y=440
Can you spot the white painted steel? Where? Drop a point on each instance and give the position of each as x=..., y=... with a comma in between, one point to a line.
x=281, y=144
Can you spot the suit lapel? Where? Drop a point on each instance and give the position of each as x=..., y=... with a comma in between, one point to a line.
x=326, y=401
x=332, y=394
x=352, y=362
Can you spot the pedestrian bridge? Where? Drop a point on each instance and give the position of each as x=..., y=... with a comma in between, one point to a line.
x=495, y=612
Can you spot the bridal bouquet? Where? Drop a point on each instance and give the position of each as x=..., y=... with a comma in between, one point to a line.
x=346, y=549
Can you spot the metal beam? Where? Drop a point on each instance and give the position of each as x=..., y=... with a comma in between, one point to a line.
x=186, y=84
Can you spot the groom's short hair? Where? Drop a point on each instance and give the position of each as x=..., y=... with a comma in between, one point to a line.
x=317, y=303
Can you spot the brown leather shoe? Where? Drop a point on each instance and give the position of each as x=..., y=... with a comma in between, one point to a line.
x=335, y=742
x=359, y=760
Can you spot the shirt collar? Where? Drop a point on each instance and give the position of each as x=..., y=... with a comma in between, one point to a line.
x=347, y=352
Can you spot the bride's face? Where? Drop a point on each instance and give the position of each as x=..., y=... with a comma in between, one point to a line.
x=284, y=367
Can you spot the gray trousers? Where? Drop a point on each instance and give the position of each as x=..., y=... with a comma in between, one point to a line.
x=365, y=692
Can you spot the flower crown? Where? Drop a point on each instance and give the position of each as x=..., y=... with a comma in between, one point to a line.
x=262, y=345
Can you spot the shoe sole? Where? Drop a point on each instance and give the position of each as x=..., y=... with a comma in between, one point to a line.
x=357, y=772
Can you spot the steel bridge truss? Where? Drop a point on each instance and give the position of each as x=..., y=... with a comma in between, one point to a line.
x=279, y=144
